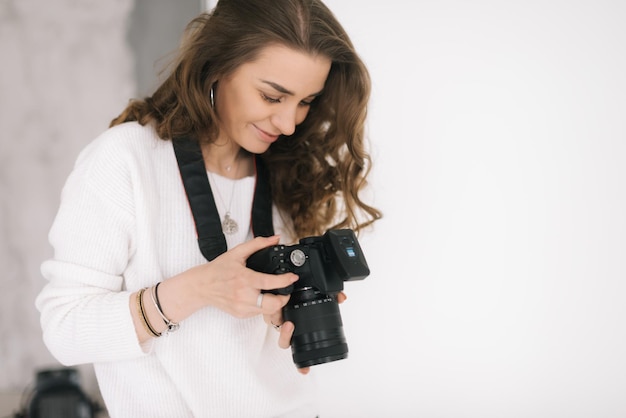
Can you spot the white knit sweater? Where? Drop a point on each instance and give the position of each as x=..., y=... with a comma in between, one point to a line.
x=124, y=223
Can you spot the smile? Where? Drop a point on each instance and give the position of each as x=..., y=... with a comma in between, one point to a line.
x=265, y=136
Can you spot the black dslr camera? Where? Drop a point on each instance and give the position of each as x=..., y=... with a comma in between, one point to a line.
x=322, y=263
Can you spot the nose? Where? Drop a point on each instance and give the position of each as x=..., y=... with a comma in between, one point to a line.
x=286, y=119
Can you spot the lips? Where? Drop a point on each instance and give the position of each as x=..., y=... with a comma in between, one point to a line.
x=266, y=136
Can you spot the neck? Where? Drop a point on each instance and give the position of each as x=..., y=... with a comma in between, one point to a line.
x=224, y=159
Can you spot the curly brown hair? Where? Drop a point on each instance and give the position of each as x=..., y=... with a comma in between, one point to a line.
x=318, y=173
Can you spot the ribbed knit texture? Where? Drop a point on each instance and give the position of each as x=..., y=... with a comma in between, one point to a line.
x=124, y=223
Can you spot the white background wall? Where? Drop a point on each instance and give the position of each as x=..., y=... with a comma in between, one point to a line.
x=498, y=274
x=498, y=131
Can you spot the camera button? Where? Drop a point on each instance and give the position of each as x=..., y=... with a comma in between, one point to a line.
x=297, y=257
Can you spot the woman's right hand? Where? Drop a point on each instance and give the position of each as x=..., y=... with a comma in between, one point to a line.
x=229, y=285
x=225, y=283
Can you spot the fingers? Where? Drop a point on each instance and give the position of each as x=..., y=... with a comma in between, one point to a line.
x=304, y=370
x=267, y=281
x=239, y=287
x=271, y=306
x=284, y=341
x=341, y=297
x=287, y=329
x=286, y=332
x=248, y=248
x=275, y=319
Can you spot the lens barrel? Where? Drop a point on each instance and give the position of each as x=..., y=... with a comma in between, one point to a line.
x=318, y=337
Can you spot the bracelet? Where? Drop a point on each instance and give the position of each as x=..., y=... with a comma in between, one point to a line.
x=171, y=325
x=142, y=313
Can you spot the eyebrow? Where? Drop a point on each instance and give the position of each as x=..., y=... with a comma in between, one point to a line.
x=283, y=90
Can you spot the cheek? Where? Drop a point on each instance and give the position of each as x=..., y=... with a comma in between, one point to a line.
x=301, y=114
x=240, y=116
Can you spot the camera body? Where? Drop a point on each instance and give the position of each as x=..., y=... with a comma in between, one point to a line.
x=322, y=263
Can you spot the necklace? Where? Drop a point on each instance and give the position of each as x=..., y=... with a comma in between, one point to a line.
x=229, y=225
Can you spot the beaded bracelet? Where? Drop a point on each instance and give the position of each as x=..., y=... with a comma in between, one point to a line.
x=171, y=325
x=142, y=313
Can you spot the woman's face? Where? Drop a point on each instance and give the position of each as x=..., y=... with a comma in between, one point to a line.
x=268, y=97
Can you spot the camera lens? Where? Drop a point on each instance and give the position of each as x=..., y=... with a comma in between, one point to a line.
x=318, y=337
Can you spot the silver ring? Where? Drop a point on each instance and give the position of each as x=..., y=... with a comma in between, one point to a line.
x=276, y=327
x=259, y=300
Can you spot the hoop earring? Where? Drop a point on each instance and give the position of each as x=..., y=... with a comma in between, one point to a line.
x=212, y=96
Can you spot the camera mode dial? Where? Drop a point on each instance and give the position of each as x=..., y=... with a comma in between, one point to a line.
x=297, y=257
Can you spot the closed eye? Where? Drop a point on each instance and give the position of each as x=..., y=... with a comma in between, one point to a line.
x=269, y=99
x=274, y=100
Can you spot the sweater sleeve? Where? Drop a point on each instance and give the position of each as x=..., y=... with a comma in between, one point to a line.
x=84, y=307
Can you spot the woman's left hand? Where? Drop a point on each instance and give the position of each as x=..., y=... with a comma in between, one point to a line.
x=286, y=328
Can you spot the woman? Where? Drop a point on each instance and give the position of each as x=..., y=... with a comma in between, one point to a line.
x=272, y=84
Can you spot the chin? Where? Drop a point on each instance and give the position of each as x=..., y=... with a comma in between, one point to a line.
x=257, y=148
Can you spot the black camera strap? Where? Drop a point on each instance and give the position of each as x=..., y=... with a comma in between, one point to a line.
x=211, y=239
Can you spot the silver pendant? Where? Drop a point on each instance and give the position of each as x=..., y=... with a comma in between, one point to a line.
x=229, y=225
